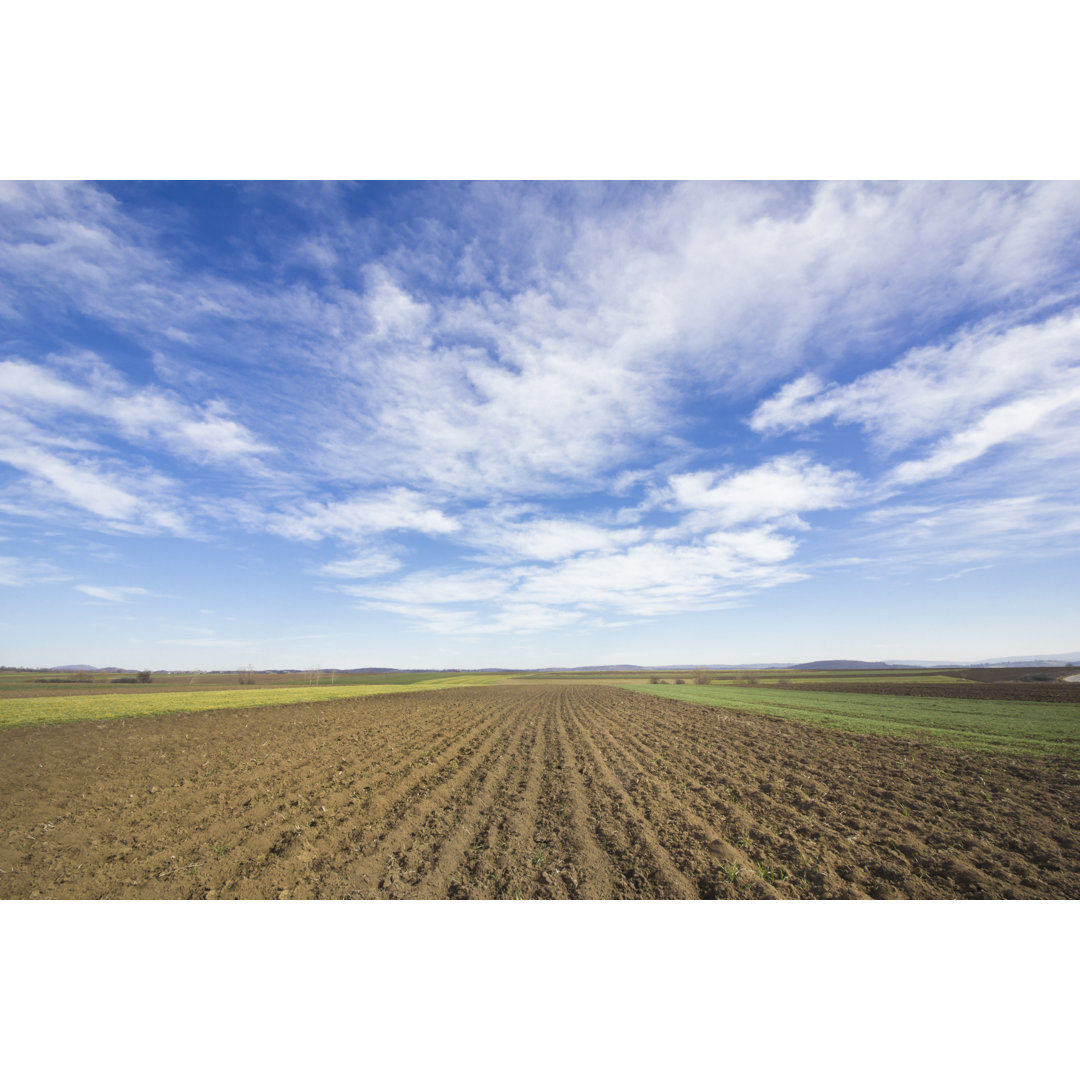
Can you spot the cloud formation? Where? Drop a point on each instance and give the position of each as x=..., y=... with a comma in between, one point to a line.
x=504, y=408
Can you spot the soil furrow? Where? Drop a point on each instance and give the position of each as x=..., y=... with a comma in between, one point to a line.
x=691, y=823
x=454, y=871
x=389, y=857
x=631, y=840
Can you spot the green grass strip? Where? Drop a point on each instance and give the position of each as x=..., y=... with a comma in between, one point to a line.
x=1015, y=727
x=17, y=712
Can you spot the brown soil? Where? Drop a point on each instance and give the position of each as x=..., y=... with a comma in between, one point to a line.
x=530, y=791
x=985, y=691
x=1012, y=674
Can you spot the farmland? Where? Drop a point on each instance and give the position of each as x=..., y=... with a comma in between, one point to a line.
x=526, y=790
x=969, y=722
x=22, y=684
x=19, y=710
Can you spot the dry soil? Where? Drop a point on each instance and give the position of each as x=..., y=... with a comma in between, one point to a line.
x=532, y=791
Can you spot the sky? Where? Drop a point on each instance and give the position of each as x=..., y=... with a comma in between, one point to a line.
x=462, y=425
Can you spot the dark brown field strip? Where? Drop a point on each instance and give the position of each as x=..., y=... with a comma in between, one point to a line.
x=425, y=834
x=631, y=840
x=716, y=813
x=375, y=855
x=594, y=880
x=701, y=842
x=458, y=871
x=763, y=814
x=1050, y=691
x=521, y=826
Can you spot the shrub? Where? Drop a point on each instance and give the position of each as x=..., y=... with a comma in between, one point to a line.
x=702, y=677
x=144, y=676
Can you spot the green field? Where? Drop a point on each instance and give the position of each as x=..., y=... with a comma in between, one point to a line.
x=16, y=712
x=1016, y=727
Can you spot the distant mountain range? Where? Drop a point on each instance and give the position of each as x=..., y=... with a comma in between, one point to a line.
x=1055, y=660
x=1043, y=660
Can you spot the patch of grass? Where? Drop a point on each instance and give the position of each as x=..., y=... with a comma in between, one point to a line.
x=1015, y=727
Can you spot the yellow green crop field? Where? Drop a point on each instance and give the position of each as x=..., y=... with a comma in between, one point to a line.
x=15, y=712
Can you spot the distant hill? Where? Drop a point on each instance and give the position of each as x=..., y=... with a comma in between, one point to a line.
x=604, y=667
x=87, y=667
x=843, y=665
x=1044, y=660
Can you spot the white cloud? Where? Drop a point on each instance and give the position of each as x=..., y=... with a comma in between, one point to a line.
x=203, y=433
x=368, y=564
x=551, y=384
x=962, y=573
x=643, y=580
x=1003, y=424
x=977, y=529
x=516, y=533
x=79, y=484
x=431, y=587
x=938, y=388
x=777, y=489
x=364, y=515
x=115, y=594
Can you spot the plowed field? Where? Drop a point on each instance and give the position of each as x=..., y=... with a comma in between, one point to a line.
x=1067, y=693
x=535, y=791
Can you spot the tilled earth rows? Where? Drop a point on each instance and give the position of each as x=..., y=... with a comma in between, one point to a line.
x=551, y=791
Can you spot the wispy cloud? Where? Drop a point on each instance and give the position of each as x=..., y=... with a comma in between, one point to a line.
x=966, y=570
x=203, y=433
x=392, y=510
x=368, y=564
x=1028, y=418
x=970, y=529
x=114, y=594
x=19, y=571
x=936, y=389
x=641, y=580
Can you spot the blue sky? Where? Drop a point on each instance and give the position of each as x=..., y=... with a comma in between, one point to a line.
x=461, y=425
